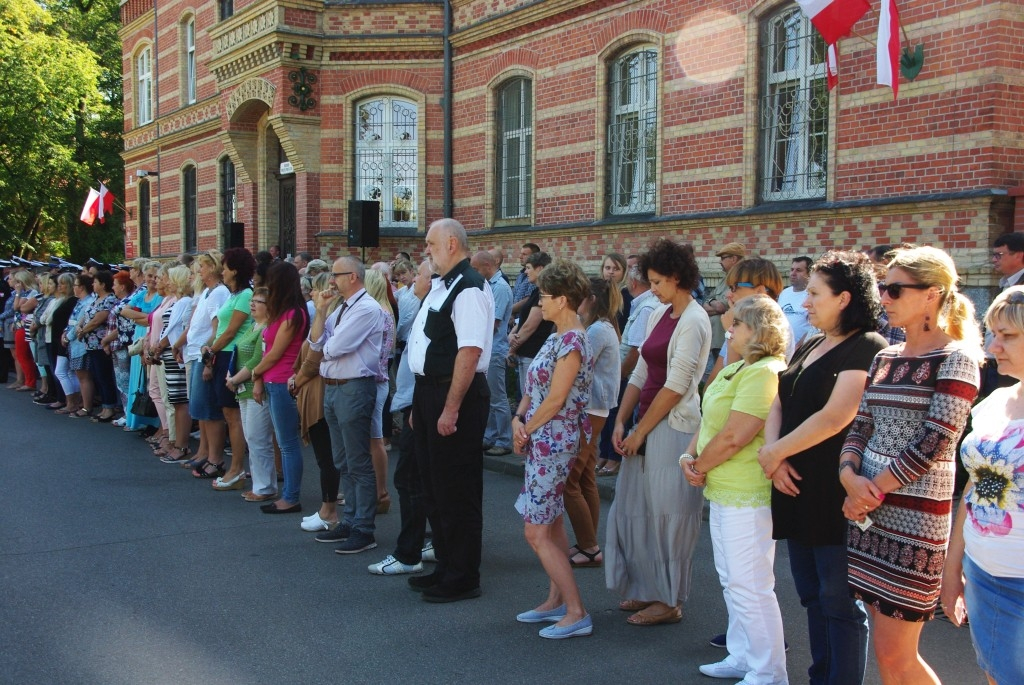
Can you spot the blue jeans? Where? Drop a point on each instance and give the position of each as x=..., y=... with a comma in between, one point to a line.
x=348, y=410
x=284, y=414
x=499, y=419
x=837, y=623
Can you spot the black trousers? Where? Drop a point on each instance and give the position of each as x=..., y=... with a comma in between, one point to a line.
x=330, y=479
x=409, y=547
x=452, y=471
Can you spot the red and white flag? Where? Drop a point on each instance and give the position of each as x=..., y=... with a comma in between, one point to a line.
x=834, y=18
x=91, y=208
x=887, y=49
x=832, y=66
x=106, y=204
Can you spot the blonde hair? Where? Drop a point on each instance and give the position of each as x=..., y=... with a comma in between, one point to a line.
x=44, y=280
x=139, y=263
x=151, y=264
x=931, y=266
x=376, y=285
x=212, y=258
x=26, y=279
x=1006, y=309
x=771, y=330
x=180, y=278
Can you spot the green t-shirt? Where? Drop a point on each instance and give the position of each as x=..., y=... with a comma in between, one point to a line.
x=739, y=482
x=248, y=354
x=236, y=302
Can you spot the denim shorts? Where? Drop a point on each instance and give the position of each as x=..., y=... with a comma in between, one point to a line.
x=995, y=607
x=226, y=398
x=202, y=401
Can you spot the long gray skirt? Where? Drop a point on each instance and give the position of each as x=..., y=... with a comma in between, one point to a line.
x=654, y=523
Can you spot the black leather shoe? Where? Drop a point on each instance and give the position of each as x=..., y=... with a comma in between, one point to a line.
x=421, y=583
x=443, y=593
x=271, y=508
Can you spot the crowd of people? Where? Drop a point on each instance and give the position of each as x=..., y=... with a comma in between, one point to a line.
x=828, y=414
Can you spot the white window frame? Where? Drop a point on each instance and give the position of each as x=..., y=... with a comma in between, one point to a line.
x=514, y=168
x=632, y=135
x=190, y=61
x=144, y=87
x=387, y=158
x=793, y=110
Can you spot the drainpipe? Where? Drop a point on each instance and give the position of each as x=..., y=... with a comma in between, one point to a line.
x=449, y=203
x=156, y=122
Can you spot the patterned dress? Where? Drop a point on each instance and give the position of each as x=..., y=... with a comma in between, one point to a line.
x=554, y=446
x=910, y=418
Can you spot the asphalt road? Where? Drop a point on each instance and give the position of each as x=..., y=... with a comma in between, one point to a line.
x=115, y=568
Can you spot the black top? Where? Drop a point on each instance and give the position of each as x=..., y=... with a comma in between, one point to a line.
x=61, y=316
x=439, y=326
x=815, y=516
x=531, y=346
x=627, y=303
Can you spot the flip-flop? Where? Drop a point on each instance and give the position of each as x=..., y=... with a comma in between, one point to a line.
x=80, y=414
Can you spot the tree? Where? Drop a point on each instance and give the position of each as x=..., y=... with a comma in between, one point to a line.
x=58, y=106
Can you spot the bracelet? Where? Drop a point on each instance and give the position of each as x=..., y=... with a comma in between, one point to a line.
x=686, y=457
x=852, y=464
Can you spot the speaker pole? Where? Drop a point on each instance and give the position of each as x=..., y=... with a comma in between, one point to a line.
x=364, y=256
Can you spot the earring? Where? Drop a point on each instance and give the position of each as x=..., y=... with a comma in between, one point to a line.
x=927, y=319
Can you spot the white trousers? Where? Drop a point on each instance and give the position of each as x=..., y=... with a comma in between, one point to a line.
x=259, y=436
x=745, y=560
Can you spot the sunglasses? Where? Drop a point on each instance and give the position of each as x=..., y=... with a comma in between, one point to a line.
x=741, y=284
x=896, y=289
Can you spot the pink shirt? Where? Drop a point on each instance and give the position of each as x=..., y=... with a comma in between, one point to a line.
x=281, y=371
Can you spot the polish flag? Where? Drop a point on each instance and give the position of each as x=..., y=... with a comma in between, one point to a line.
x=105, y=203
x=834, y=18
x=91, y=208
x=887, y=48
x=832, y=66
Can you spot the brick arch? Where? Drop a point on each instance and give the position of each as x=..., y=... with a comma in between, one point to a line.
x=387, y=78
x=516, y=57
x=638, y=22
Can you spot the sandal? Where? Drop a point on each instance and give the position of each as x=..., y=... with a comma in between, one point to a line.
x=64, y=411
x=80, y=414
x=204, y=472
x=673, y=615
x=591, y=562
x=605, y=471
x=194, y=464
x=177, y=455
x=633, y=605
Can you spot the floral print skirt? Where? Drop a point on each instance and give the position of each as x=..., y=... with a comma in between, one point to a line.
x=541, y=500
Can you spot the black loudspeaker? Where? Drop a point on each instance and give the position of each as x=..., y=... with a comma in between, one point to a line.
x=236, y=234
x=363, y=223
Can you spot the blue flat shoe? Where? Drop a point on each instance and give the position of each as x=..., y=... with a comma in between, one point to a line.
x=533, y=616
x=580, y=628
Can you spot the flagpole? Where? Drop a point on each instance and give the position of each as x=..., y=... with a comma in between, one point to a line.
x=903, y=28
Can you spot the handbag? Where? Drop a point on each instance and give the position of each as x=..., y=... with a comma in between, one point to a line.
x=142, y=404
x=135, y=348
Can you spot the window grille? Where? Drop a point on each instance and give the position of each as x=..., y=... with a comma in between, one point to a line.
x=515, y=149
x=632, y=144
x=387, y=158
x=793, y=110
x=144, y=91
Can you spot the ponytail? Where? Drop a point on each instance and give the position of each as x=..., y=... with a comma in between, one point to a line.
x=958, y=320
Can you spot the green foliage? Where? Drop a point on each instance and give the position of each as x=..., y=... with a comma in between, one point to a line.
x=60, y=126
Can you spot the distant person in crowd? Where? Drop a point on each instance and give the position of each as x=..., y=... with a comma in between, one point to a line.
x=723, y=457
x=1008, y=261
x=880, y=256
x=716, y=304
x=74, y=339
x=656, y=515
x=897, y=462
x=119, y=337
x=275, y=252
x=983, y=576
x=791, y=300
x=819, y=394
x=92, y=330
x=498, y=435
x=301, y=260
x=175, y=387
x=143, y=303
x=67, y=288
x=523, y=287
x=582, y=500
x=377, y=286
x=613, y=270
x=449, y=351
x=526, y=339
x=549, y=426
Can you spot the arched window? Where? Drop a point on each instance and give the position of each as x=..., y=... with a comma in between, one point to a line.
x=144, y=87
x=632, y=144
x=189, y=208
x=793, y=109
x=514, y=168
x=387, y=161
x=189, y=50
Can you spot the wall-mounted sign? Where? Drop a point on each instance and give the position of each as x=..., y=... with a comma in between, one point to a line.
x=287, y=168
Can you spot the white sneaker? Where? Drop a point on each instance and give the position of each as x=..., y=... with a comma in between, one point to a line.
x=120, y=423
x=427, y=553
x=393, y=567
x=722, y=670
x=315, y=524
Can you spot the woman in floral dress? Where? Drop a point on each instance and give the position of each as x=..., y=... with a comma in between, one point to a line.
x=549, y=426
x=984, y=573
x=897, y=462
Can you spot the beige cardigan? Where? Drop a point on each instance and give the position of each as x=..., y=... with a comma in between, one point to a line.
x=688, y=357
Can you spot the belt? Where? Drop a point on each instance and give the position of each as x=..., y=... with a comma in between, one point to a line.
x=440, y=380
x=342, y=381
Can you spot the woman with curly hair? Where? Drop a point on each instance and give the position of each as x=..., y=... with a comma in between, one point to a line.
x=654, y=522
x=897, y=462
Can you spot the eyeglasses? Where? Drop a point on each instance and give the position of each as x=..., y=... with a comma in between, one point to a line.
x=896, y=289
x=258, y=301
x=545, y=295
x=999, y=255
x=742, y=284
x=342, y=273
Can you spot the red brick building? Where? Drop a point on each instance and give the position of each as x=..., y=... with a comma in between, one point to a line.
x=584, y=126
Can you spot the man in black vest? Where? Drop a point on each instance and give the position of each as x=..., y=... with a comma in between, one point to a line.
x=449, y=350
